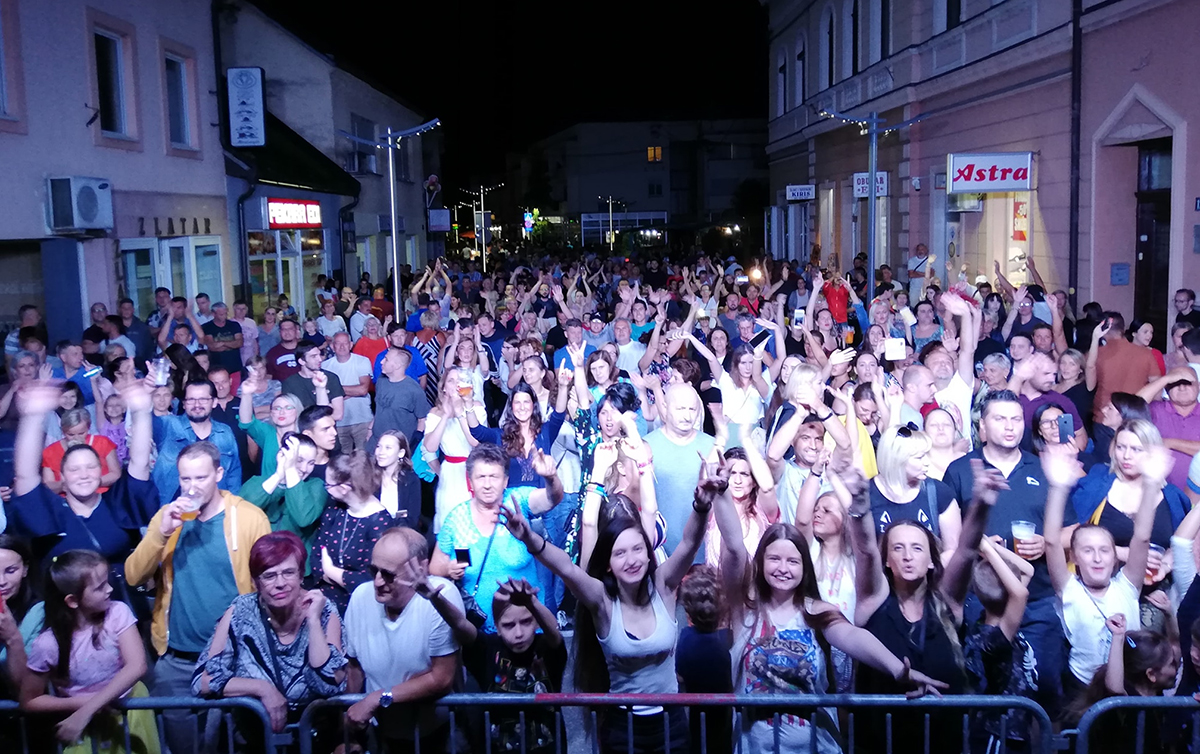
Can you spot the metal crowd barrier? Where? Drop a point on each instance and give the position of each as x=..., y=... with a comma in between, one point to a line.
x=458, y=705
x=256, y=716
x=1174, y=708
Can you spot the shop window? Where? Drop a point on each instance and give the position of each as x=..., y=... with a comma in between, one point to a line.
x=653, y=154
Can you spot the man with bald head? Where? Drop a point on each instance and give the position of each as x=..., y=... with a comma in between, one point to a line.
x=678, y=449
x=919, y=388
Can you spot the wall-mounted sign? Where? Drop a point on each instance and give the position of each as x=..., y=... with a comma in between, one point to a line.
x=976, y=173
x=801, y=192
x=439, y=220
x=293, y=213
x=247, y=112
x=1118, y=274
x=862, y=188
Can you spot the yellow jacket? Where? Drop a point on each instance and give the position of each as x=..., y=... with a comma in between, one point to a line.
x=154, y=556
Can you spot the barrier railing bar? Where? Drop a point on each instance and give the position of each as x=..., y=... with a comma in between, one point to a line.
x=775, y=732
x=595, y=734
x=1140, y=703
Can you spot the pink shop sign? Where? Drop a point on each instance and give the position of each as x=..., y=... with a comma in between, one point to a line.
x=979, y=172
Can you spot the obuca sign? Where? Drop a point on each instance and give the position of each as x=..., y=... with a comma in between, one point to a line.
x=976, y=172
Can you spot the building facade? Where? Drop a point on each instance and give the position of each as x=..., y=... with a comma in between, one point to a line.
x=111, y=169
x=659, y=174
x=323, y=103
x=985, y=84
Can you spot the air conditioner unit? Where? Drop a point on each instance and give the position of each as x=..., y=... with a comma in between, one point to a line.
x=77, y=203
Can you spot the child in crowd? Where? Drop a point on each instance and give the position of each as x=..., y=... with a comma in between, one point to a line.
x=526, y=655
x=701, y=643
x=997, y=657
x=91, y=655
x=112, y=426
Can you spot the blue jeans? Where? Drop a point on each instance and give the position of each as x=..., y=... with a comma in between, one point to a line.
x=554, y=527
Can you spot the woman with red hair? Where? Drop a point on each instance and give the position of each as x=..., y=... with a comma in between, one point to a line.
x=281, y=644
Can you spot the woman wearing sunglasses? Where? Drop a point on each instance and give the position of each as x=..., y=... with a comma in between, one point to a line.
x=349, y=528
x=903, y=490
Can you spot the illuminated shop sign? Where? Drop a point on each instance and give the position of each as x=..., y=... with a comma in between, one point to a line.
x=976, y=173
x=293, y=213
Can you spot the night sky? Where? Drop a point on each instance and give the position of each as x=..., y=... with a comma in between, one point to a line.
x=502, y=74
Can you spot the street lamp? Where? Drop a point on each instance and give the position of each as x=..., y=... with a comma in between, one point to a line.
x=482, y=217
x=612, y=236
x=391, y=141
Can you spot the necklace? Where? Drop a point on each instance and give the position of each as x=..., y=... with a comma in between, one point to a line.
x=342, y=544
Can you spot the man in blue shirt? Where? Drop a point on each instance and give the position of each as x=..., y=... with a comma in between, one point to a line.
x=178, y=432
x=74, y=370
x=574, y=331
x=398, y=338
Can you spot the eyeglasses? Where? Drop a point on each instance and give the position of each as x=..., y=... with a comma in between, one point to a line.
x=387, y=576
x=281, y=409
x=334, y=485
x=287, y=574
x=195, y=401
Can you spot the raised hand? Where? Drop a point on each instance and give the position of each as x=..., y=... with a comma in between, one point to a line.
x=312, y=603
x=320, y=380
x=516, y=524
x=415, y=576
x=603, y=458
x=988, y=483
x=1060, y=464
x=38, y=398
x=543, y=465
x=1115, y=623
x=1157, y=463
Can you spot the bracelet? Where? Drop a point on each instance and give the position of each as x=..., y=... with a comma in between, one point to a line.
x=700, y=508
x=597, y=488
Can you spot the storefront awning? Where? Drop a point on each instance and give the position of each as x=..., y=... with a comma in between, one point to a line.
x=289, y=160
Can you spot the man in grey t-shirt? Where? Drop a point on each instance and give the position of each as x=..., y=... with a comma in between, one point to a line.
x=400, y=403
x=678, y=448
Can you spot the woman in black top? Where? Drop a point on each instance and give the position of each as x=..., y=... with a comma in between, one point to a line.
x=915, y=608
x=903, y=491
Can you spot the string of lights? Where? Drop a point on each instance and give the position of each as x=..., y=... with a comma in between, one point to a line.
x=482, y=190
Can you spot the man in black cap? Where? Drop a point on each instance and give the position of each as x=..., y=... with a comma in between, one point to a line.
x=598, y=332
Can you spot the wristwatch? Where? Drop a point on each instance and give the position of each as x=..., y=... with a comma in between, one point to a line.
x=385, y=700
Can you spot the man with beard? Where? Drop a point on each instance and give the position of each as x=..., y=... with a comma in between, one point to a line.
x=196, y=424
x=1003, y=425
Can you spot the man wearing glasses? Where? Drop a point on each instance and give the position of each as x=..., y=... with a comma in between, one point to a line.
x=178, y=432
x=403, y=649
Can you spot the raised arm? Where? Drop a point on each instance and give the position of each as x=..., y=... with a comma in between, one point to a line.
x=767, y=502
x=36, y=401
x=1089, y=367
x=1156, y=464
x=1062, y=469
x=957, y=582
x=589, y=591
x=1018, y=296
x=676, y=566
x=1014, y=585
x=1006, y=288
x=869, y=581
x=1114, y=669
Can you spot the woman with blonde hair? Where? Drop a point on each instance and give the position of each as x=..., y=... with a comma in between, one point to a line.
x=903, y=491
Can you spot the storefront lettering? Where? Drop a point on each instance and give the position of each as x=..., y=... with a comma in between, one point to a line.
x=989, y=174
x=166, y=226
x=293, y=213
x=984, y=172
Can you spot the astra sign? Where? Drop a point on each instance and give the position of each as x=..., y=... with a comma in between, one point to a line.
x=293, y=213
x=976, y=173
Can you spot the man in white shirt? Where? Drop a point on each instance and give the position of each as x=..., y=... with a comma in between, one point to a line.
x=354, y=371
x=401, y=649
x=629, y=351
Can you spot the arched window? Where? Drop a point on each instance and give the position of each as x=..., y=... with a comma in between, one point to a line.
x=828, y=50
x=800, y=71
x=781, y=84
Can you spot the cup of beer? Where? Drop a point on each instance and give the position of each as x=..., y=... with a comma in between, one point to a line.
x=1153, y=564
x=1023, y=532
x=192, y=507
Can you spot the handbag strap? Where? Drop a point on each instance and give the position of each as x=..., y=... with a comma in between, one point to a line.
x=276, y=673
x=486, y=552
x=931, y=507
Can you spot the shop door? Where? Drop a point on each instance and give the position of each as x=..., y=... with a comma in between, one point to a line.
x=1152, y=262
x=186, y=265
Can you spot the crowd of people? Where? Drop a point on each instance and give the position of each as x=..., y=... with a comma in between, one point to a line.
x=579, y=473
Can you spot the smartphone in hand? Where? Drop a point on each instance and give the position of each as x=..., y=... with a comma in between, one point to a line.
x=1066, y=429
x=462, y=555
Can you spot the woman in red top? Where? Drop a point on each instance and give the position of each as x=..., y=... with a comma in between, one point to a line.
x=372, y=342
x=76, y=424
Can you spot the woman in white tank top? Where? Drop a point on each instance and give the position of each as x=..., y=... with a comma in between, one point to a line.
x=626, y=631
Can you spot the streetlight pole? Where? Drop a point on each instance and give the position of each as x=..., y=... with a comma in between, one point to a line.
x=872, y=126
x=392, y=140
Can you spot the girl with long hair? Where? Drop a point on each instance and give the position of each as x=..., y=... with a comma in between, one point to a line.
x=23, y=614
x=914, y=606
x=399, y=486
x=752, y=489
x=534, y=373
x=783, y=632
x=522, y=430
x=626, y=630
x=91, y=654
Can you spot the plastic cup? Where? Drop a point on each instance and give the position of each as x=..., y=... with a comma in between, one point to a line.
x=192, y=507
x=1023, y=531
x=160, y=369
x=1152, y=571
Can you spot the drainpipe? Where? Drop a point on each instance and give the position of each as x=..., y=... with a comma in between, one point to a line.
x=1076, y=128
